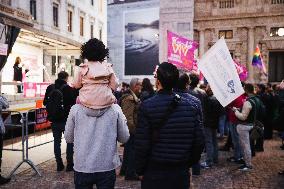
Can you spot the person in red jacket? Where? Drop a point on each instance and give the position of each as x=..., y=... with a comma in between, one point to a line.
x=233, y=120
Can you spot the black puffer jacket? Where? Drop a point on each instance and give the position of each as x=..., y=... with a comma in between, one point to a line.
x=212, y=111
x=180, y=140
x=69, y=95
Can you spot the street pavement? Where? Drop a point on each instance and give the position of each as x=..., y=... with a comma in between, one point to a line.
x=225, y=175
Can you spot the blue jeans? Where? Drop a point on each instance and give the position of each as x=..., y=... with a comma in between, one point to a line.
x=236, y=141
x=57, y=131
x=102, y=180
x=223, y=127
x=128, y=163
x=211, y=145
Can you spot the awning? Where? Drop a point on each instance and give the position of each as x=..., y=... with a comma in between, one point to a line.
x=49, y=42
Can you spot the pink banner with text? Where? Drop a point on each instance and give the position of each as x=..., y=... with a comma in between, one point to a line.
x=30, y=89
x=181, y=51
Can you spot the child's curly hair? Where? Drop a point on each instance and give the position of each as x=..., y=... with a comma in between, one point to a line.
x=94, y=50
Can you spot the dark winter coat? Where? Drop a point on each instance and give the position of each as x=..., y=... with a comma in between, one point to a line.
x=180, y=140
x=69, y=96
x=145, y=95
x=193, y=100
x=212, y=111
x=18, y=75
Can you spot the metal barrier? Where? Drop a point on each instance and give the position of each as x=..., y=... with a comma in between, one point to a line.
x=24, y=120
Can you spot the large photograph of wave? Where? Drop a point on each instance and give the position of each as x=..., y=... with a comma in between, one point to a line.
x=141, y=41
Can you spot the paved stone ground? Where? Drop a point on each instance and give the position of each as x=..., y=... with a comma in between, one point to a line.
x=225, y=175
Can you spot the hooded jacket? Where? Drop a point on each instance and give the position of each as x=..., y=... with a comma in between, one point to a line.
x=69, y=95
x=95, y=134
x=96, y=81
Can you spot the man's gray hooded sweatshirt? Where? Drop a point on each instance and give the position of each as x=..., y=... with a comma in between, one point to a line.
x=95, y=134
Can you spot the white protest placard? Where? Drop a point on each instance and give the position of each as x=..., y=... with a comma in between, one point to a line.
x=3, y=49
x=218, y=68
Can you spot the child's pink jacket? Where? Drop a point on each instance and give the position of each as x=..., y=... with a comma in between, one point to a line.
x=97, y=80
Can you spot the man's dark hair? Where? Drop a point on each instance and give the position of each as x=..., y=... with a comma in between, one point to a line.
x=168, y=75
x=123, y=84
x=249, y=88
x=94, y=50
x=183, y=80
x=62, y=75
x=194, y=80
x=261, y=88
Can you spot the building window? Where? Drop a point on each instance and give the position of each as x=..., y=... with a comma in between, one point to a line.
x=53, y=64
x=55, y=14
x=92, y=2
x=81, y=26
x=277, y=32
x=227, y=34
x=276, y=66
x=226, y=4
x=69, y=25
x=277, y=1
x=33, y=9
x=92, y=31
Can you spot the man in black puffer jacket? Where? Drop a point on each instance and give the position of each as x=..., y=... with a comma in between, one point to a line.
x=165, y=150
x=58, y=126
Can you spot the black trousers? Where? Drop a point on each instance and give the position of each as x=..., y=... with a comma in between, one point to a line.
x=102, y=180
x=58, y=129
x=128, y=163
x=171, y=179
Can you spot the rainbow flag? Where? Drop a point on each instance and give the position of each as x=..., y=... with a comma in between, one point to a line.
x=257, y=60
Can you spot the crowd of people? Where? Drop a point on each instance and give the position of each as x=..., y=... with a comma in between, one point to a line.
x=164, y=128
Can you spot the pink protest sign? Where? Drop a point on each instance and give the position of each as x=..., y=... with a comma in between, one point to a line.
x=181, y=51
x=29, y=89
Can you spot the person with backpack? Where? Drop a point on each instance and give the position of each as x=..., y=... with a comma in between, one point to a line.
x=169, y=138
x=251, y=110
x=59, y=98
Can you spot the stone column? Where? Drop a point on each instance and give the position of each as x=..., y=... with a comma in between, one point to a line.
x=250, y=54
x=201, y=42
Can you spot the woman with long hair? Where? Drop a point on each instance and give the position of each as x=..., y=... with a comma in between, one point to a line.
x=18, y=75
x=147, y=89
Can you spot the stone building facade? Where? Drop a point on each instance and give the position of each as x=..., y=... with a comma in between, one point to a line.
x=244, y=24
